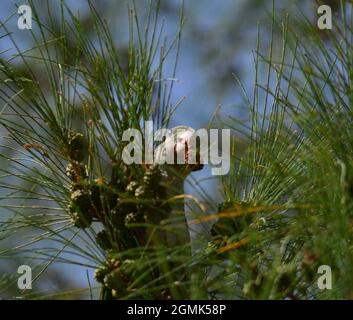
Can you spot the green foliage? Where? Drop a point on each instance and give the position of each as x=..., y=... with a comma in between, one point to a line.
x=288, y=208
x=287, y=199
x=66, y=179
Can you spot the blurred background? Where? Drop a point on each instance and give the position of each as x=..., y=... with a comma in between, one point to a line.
x=218, y=40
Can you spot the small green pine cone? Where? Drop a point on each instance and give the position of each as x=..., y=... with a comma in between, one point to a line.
x=140, y=192
x=121, y=209
x=100, y=273
x=116, y=280
x=76, y=171
x=81, y=185
x=127, y=267
x=131, y=187
x=76, y=140
x=79, y=219
x=103, y=240
x=79, y=208
x=113, y=263
x=108, y=280
x=81, y=199
x=131, y=217
x=152, y=177
x=76, y=145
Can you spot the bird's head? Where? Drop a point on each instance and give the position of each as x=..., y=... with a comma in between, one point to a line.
x=181, y=143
